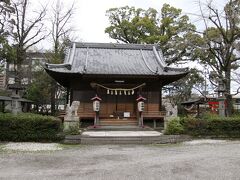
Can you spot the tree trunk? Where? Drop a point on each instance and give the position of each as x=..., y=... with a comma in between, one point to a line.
x=53, y=100
x=20, y=57
x=229, y=108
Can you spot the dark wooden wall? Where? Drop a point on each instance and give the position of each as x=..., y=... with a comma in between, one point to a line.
x=111, y=104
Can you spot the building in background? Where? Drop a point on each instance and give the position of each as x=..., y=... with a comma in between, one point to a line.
x=32, y=63
x=2, y=81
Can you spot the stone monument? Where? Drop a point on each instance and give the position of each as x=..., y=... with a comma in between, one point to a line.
x=71, y=119
x=171, y=111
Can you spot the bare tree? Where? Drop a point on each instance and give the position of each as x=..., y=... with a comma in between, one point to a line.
x=60, y=34
x=6, y=10
x=6, y=23
x=236, y=79
x=60, y=26
x=220, y=38
x=28, y=31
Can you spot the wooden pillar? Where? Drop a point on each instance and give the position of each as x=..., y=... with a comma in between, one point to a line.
x=140, y=121
x=3, y=106
x=154, y=123
x=198, y=110
x=160, y=99
x=71, y=96
x=67, y=99
x=96, y=119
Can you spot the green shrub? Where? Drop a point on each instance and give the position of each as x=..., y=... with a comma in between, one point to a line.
x=209, y=116
x=214, y=126
x=174, y=127
x=29, y=127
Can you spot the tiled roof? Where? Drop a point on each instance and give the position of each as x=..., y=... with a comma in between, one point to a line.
x=117, y=59
x=6, y=98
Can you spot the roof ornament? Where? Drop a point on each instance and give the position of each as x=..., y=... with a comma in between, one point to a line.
x=68, y=55
x=52, y=66
x=72, y=54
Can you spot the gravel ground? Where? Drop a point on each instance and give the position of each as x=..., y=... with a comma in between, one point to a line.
x=205, y=160
x=28, y=146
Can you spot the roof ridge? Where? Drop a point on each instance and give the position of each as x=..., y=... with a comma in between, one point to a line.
x=115, y=46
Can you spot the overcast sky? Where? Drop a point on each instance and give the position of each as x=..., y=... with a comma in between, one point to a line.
x=90, y=21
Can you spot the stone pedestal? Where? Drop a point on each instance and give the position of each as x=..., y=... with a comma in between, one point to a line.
x=71, y=124
x=16, y=105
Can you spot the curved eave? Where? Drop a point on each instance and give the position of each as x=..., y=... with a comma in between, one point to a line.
x=174, y=77
x=64, y=78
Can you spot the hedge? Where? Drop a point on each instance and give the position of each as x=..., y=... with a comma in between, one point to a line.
x=29, y=127
x=217, y=126
x=174, y=127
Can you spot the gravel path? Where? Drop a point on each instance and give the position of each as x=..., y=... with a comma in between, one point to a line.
x=205, y=160
x=28, y=146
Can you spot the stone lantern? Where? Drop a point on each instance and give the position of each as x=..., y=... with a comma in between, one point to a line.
x=221, y=98
x=16, y=103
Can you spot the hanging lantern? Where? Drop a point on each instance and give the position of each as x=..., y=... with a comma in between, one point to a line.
x=108, y=91
x=96, y=103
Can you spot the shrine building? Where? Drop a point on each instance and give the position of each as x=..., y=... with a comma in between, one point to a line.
x=118, y=76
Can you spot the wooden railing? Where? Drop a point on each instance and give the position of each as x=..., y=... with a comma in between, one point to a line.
x=148, y=114
x=154, y=114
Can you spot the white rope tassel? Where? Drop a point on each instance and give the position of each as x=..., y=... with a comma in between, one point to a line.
x=120, y=92
x=108, y=91
x=125, y=93
x=111, y=92
x=116, y=92
x=132, y=92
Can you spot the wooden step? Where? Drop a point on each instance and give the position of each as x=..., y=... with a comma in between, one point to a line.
x=118, y=122
x=112, y=123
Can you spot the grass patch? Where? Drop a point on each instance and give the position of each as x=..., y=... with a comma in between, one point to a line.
x=71, y=146
x=167, y=145
x=1, y=147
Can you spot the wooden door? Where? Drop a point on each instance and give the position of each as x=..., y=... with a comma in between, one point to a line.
x=120, y=103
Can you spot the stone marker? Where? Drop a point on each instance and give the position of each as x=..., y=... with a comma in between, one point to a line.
x=71, y=119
